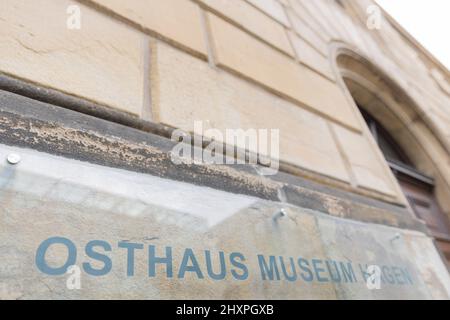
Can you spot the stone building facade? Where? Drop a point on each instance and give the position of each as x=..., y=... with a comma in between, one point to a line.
x=92, y=92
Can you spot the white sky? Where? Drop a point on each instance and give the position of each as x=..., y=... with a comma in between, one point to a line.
x=426, y=20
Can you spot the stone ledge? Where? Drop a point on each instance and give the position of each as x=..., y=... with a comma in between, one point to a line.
x=28, y=123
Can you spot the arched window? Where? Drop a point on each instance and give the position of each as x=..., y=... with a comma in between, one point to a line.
x=417, y=187
x=416, y=150
x=391, y=150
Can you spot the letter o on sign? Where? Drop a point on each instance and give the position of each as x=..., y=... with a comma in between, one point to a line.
x=41, y=263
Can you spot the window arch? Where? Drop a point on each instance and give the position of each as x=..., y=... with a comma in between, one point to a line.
x=388, y=146
x=413, y=147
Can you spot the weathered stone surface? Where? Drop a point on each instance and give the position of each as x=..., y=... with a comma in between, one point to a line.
x=101, y=62
x=272, y=8
x=267, y=66
x=350, y=209
x=69, y=134
x=366, y=166
x=253, y=20
x=64, y=128
x=301, y=10
x=307, y=33
x=176, y=20
x=322, y=15
x=195, y=92
x=77, y=136
x=309, y=56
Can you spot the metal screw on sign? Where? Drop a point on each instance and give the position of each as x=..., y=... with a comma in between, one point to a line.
x=280, y=214
x=13, y=158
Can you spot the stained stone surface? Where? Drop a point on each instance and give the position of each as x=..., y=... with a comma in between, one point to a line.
x=45, y=196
